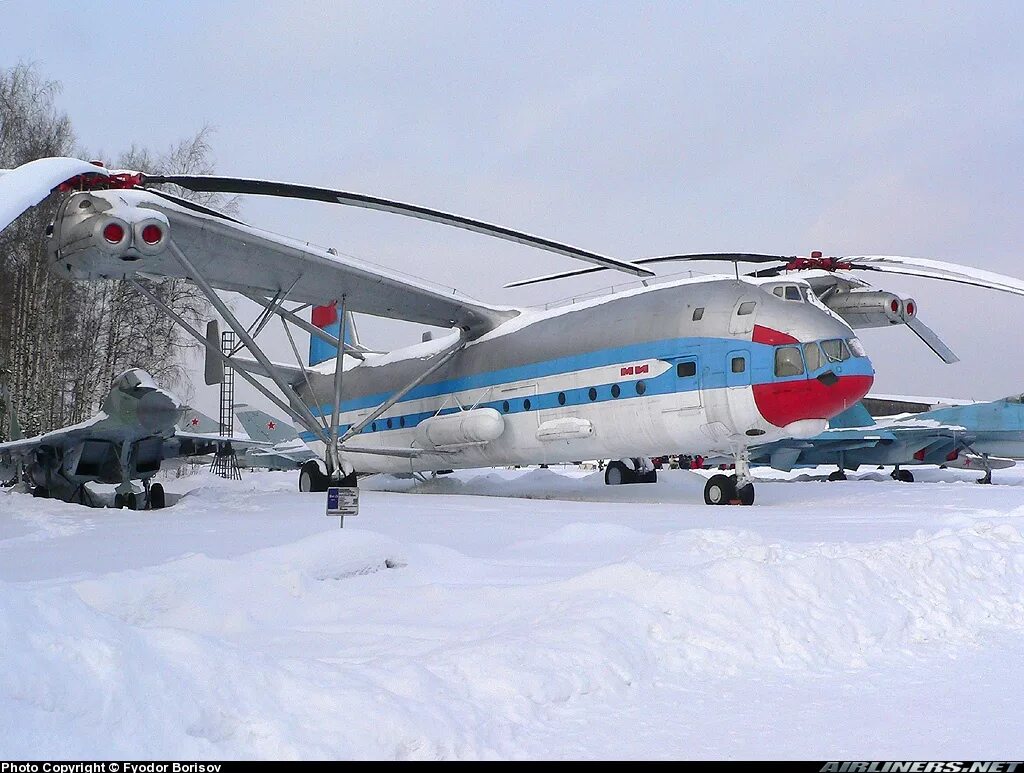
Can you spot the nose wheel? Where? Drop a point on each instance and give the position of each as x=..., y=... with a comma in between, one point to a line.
x=723, y=490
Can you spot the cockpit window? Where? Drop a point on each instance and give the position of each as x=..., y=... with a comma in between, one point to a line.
x=789, y=293
x=747, y=307
x=788, y=361
x=857, y=347
x=835, y=350
x=812, y=353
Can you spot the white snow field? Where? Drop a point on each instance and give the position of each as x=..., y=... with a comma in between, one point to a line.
x=519, y=614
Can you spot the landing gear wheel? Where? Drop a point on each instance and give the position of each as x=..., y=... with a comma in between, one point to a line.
x=837, y=475
x=618, y=474
x=118, y=501
x=744, y=494
x=157, y=498
x=651, y=476
x=904, y=476
x=349, y=481
x=720, y=490
x=311, y=479
x=131, y=501
x=41, y=491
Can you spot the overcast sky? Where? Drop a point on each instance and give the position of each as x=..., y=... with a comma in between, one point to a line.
x=631, y=129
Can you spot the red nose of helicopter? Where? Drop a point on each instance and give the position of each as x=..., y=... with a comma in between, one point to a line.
x=812, y=380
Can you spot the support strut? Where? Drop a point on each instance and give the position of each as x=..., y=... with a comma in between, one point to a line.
x=339, y=374
x=454, y=349
x=286, y=389
x=215, y=350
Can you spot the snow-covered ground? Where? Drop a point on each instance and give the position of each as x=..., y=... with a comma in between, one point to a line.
x=519, y=614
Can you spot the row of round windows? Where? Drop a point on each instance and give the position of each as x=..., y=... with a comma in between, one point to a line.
x=592, y=393
x=506, y=406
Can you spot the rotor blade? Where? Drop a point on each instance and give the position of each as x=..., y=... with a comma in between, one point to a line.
x=287, y=190
x=937, y=269
x=28, y=184
x=931, y=340
x=733, y=257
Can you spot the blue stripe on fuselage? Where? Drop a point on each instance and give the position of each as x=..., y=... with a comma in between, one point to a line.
x=711, y=355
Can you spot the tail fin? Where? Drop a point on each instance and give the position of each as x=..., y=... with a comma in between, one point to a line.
x=326, y=318
x=264, y=427
x=853, y=417
x=194, y=421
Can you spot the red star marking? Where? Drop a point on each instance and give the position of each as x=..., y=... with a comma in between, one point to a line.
x=195, y=422
x=270, y=425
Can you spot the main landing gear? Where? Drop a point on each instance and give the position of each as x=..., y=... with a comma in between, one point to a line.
x=724, y=490
x=152, y=498
x=904, y=476
x=623, y=472
x=312, y=478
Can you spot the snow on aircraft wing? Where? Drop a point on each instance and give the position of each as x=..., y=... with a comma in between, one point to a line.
x=56, y=437
x=28, y=184
x=237, y=257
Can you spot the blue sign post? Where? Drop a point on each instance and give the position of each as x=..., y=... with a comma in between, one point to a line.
x=342, y=501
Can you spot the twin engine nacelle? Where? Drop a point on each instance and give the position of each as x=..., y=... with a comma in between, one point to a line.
x=130, y=233
x=871, y=308
x=106, y=239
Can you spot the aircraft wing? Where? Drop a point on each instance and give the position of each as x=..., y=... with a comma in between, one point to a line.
x=58, y=437
x=17, y=449
x=237, y=257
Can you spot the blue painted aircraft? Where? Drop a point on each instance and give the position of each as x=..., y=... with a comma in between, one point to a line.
x=981, y=436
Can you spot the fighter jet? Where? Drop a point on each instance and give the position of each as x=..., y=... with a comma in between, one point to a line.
x=136, y=430
x=979, y=436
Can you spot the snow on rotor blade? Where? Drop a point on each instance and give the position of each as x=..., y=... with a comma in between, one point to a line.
x=27, y=185
x=288, y=190
x=731, y=257
x=931, y=340
x=937, y=269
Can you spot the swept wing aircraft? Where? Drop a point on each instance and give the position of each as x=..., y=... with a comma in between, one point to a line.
x=136, y=430
x=712, y=365
x=974, y=436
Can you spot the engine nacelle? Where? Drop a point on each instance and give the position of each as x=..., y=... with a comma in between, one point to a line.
x=106, y=241
x=870, y=308
x=465, y=428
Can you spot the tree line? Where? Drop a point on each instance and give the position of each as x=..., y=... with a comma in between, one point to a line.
x=63, y=342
